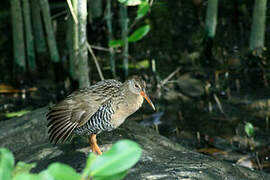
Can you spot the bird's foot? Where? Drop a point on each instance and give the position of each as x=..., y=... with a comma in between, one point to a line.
x=94, y=146
x=96, y=149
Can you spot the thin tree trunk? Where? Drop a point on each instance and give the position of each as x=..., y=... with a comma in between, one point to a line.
x=258, y=25
x=95, y=8
x=75, y=43
x=211, y=18
x=37, y=27
x=83, y=70
x=49, y=31
x=124, y=33
x=29, y=36
x=69, y=42
x=110, y=36
x=18, y=37
x=210, y=31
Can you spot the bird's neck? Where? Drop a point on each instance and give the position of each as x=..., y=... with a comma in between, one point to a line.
x=125, y=91
x=133, y=100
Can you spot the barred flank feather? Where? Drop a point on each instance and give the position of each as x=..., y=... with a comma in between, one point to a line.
x=100, y=121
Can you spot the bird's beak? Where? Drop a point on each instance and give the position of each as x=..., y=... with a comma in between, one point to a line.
x=148, y=100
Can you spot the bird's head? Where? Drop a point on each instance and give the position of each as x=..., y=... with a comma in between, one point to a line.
x=137, y=86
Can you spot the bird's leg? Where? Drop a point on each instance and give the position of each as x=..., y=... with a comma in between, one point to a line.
x=94, y=146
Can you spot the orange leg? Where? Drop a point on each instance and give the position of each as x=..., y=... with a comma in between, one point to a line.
x=94, y=146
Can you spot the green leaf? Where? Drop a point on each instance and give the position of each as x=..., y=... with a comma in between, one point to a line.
x=16, y=114
x=91, y=158
x=22, y=167
x=136, y=36
x=131, y=2
x=63, y=172
x=139, y=33
x=6, y=163
x=45, y=175
x=142, y=10
x=143, y=64
x=116, y=43
x=117, y=176
x=249, y=129
x=26, y=176
x=122, y=156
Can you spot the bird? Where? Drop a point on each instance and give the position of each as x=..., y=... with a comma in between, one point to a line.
x=103, y=106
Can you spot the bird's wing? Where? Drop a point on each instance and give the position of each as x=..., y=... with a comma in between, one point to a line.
x=77, y=109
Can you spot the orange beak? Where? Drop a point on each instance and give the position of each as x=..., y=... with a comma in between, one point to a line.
x=148, y=100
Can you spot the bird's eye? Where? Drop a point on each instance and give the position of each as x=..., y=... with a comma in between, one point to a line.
x=137, y=86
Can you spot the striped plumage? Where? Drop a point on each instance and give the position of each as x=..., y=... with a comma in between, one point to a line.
x=100, y=121
x=100, y=107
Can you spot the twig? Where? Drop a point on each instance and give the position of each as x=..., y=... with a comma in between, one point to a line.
x=72, y=11
x=104, y=49
x=156, y=128
x=162, y=83
x=219, y=104
x=258, y=161
x=95, y=60
x=132, y=25
x=59, y=14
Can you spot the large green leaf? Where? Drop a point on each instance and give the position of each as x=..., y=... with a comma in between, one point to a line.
x=117, y=176
x=45, y=175
x=136, y=36
x=91, y=158
x=22, y=167
x=6, y=163
x=63, y=172
x=139, y=33
x=26, y=176
x=122, y=156
x=142, y=10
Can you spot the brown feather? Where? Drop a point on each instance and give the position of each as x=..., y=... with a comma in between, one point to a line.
x=55, y=129
x=58, y=114
x=67, y=132
x=56, y=125
x=56, y=120
x=55, y=134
